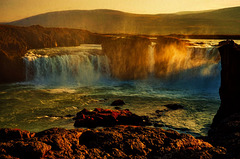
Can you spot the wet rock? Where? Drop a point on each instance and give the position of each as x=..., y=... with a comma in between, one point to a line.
x=225, y=129
x=28, y=149
x=88, y=138
x=111, y=142
x=117, y=108
x=69, y=115
x=106, y=117
x=227, y=134
x=135, y=146
x=174, y=106
x=160, y=113
x=118, y=102
x=158, y=125
x=14, y=134
x=116, y=153
x=230, y=77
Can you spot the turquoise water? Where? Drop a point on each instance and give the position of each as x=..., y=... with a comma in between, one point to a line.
x=58, y=88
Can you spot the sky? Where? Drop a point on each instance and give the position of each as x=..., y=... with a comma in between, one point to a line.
x=11, y=10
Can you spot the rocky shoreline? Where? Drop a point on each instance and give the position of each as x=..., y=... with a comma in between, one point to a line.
x=116, y=140
x=111, y=142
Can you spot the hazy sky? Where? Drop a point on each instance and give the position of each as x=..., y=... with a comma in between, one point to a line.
x=16, y=9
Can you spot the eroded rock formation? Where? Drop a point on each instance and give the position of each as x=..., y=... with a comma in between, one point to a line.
x=225, y=129
x=230, y=77
x=115, y=142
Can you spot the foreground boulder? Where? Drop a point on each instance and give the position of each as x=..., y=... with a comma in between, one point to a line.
x=174, y=106
x=105, y=117
x=118, y=102
x=115, y=142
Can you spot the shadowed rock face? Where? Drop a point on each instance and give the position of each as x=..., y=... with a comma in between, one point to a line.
x=15, y=41
x=230, y=77
x=225, y=129
x=115, y=142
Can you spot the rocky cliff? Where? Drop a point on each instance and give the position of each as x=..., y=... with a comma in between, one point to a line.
x=230, y=77
x=15, y=41
x=225, y=129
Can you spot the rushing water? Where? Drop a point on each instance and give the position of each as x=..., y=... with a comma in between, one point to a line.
x=62, y=81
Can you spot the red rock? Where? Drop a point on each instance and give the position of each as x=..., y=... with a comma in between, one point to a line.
x=111, y=142
x=107, y=117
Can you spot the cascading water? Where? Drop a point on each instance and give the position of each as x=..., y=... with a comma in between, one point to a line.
x=81, y=68
x=151, y=51
x=62, y=81
x=197, y=68
x=86, y=65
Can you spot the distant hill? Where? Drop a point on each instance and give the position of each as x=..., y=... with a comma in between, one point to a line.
x=222, y=21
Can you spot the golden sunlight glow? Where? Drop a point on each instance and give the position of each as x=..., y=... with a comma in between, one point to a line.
x=15, y=9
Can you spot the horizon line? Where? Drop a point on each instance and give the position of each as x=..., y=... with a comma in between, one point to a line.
x=179, y=12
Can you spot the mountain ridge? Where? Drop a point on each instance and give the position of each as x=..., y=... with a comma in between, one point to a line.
x=221, y=21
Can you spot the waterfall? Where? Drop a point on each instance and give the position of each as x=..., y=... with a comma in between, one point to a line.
x=151, y=51
x=82, y=68
x=87, y=65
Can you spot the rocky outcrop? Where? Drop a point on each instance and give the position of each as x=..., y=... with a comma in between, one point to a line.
x=174, y=106
x=118, y=102
x=227, y=134
x=225, y=129
x=230, y=77
x=15, y=41
x=105, y=118
x=115, y=142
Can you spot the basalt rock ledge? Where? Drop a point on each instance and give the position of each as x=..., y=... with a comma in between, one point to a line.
x=111, y=142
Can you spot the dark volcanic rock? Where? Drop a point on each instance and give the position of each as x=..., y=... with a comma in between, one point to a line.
x=106, y=117
x=115, y=142
x=14, y=134
x=227, y=134
x=118, y=102
x=225, y=129
x=174, y=106
x=230, y=77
